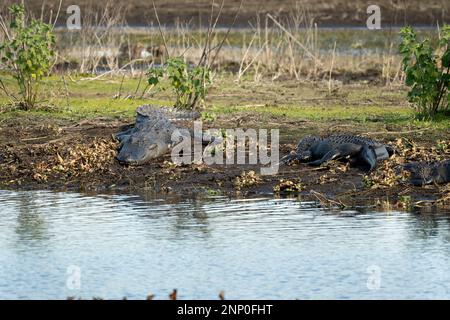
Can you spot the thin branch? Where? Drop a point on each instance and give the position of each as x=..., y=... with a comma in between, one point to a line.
x=42, y=11
x=212, y=27
x=111, y=71
x=4, y=28
x=121, y=86
x=228, y=32
x=139, y=83
x=3, y=87
x=293, y=38
x=160, y=30
x=57, y=14
x=208, y=36
x=219, y=14
x=331, y=68
x=252, y=61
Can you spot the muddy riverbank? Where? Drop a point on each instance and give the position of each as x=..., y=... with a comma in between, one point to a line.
x=80, y=156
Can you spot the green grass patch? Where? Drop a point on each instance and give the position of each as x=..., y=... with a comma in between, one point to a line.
x=84, y=99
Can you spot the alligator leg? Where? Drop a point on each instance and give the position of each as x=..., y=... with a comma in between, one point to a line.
x=341, y=151
x=330, y=155
x=123, y=135
x=366, y=159
x=381, y=153
x=390, y=150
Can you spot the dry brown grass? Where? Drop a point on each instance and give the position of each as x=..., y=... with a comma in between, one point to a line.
x=276, y=49
x=271, y=49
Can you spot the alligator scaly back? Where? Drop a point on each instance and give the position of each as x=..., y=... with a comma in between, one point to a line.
x=151, y=135
x=308, y=141
x=154, y=133
x=423, y=173
x=363, y=152
x=170, y=113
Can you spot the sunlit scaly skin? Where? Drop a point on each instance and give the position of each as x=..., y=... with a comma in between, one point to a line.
x=423, y=173
x=151, y=136
x=361, y=151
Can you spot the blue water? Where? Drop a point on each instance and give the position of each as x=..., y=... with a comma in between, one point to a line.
x=55, y=245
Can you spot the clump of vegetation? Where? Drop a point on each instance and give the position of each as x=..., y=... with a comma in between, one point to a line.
x=28, y=53
x=427, y=71
x=209, y=116
x=247, y=179
x=288, y=186
x=212, y=192
x=190, y=84
x=404, y=202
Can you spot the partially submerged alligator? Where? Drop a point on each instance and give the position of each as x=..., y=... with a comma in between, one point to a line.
x=361, y=152
x=151, y=135
x=423, y=173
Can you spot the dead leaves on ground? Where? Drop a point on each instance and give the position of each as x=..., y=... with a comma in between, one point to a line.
x=60, y=160
x=389, y=174
x=288, y=186
x=246, y=179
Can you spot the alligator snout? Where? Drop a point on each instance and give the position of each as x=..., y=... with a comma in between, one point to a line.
x=128, y=160
x=123, y=158
x=137, y=153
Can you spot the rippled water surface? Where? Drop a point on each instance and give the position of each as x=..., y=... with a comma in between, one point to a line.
x=260, y=248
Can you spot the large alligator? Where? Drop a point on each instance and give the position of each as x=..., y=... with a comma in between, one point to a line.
x=151, y=135
x=423, y=173
x=362, y=152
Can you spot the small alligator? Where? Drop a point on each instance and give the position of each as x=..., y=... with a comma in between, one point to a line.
x=362, y=152
x=151, y=135
x=423, y=173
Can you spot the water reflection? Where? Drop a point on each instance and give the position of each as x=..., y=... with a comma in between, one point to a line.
x=31, y=225
x=430, y=226
x=128, y=245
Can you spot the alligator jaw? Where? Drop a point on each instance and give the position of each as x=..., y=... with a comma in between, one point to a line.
x=421, y=181
x=136, y=154
x=131, y=162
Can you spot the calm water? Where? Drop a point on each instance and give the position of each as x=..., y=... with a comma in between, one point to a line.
x=259, y=248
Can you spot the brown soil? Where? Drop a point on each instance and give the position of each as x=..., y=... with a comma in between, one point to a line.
x=325, y=13
x=60, y=155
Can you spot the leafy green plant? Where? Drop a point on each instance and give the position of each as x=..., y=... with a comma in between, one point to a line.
x=190, y=84
x=28, y=53
x=209, y=116
x=427, y=71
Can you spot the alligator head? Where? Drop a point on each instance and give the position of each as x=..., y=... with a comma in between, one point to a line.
x=303, y=152
x=421, y=173
x=139, y=149
x=426, y=173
